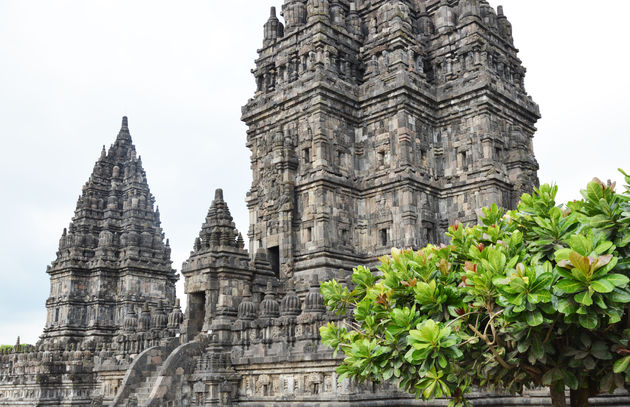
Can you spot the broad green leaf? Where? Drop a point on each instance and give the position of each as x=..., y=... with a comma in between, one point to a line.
x=584, y=298
x=428, y=391
x=602, y=286
x=540, y=296
x=588, y=321
x=619, y=295
x=570, y=379
x=621, y=365
x=599, y=300
x=618, y=280
x=522, y=346
x=537, y=349
x=552, y=375
x=570, y=286
x=594, y=191
x=581, y=246
x=600, y=351
x=603, y=247
x=534, y=318
x=567, y=306
x=562, y=254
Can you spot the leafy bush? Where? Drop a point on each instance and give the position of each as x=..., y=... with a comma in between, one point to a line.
x=533, y=297
x=11, y=347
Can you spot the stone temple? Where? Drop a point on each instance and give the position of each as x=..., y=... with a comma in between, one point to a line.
x=375, y=123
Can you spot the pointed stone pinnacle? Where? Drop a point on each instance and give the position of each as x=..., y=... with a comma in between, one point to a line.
x=218, y=194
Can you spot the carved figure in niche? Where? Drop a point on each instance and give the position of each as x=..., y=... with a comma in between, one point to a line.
x=310, y=61
x=383, y=212
x=286, y=269
x=284, y=200
x=419, y=64
x=383, y=61
x=97, y=401
x=263, y=385
x=313, y=383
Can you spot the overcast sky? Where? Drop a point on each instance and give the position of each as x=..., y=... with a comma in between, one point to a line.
x=70, y=69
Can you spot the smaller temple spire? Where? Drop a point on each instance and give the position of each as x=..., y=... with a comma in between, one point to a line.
x=124, y=134
x=273, y=28
x=470, y=8
x=218, y=229
x=446, y=18
x=294, y=12
x=318, y=10
x=505, y=28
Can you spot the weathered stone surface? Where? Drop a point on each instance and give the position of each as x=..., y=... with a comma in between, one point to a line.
x=375, y=123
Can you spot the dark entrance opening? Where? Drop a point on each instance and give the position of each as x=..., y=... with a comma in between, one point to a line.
x=273, y=255
x=197, y=313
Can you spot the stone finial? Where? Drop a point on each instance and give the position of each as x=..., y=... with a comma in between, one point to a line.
x=246, y=309
x=314, y=301
x=144, y=322
x=446, y=19
x=318, y=9
x=218, y=194
x=291, y=305
x=505, y=27
x=125, y=122
x=294, y=12
x=470, y=8
x=269, y=307
x=176, y=317
x=273, y=28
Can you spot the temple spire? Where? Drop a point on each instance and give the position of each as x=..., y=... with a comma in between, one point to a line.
x=115, y=226
x=124, y=134
x=219, y=228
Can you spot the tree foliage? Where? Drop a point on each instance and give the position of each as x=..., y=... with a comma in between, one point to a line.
x=533, y=297
x=9, y=348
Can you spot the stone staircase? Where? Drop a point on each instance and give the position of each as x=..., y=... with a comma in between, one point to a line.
x=142, y=376
x=144, y=389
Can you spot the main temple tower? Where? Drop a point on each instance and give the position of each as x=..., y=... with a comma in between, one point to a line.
x=377, y=123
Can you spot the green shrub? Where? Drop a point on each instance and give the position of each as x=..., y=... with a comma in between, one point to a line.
x=533, y=297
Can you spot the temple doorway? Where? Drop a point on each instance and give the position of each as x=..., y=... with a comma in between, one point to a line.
x=197, y=312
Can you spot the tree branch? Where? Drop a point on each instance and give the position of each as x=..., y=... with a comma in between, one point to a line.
x=497, y=357
x=550, y=330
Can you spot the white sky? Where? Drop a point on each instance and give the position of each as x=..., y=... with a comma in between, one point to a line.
x=69, y=69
